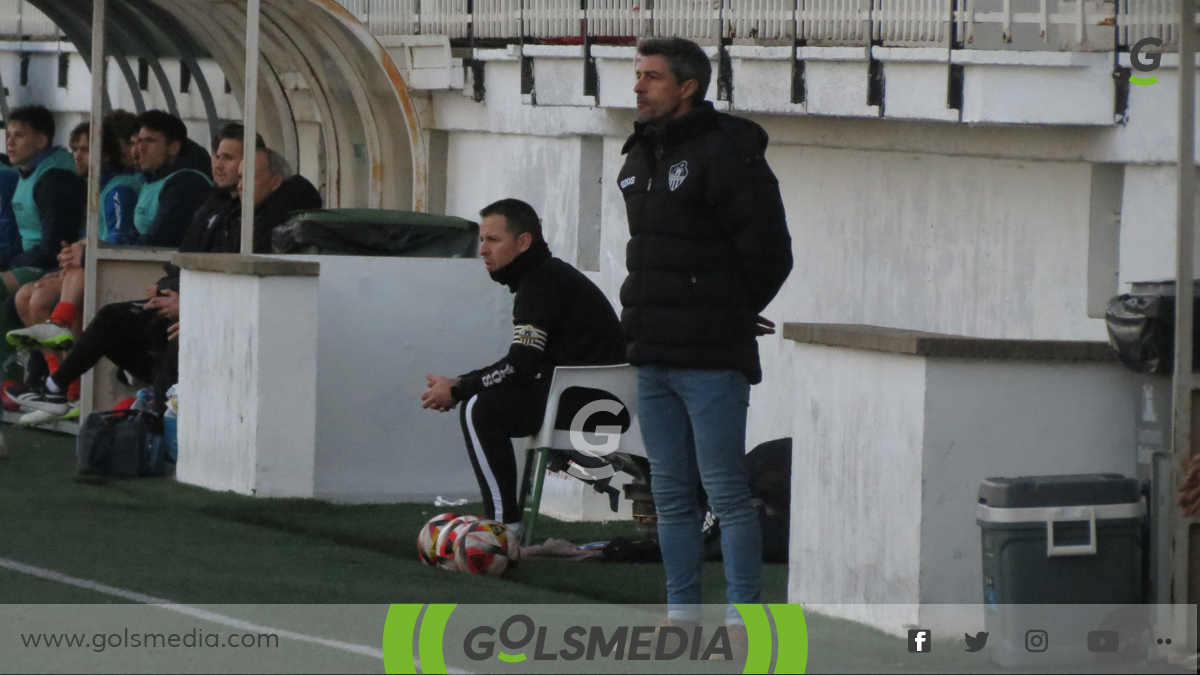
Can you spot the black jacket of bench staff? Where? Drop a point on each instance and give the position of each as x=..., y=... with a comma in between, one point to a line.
x=709, y=244
x=560, y=318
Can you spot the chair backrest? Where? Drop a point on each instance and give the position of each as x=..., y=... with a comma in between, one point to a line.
x=593, y=410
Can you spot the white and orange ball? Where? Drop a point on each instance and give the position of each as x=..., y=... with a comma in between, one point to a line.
x=444, y=546
x=427, y=539
x=486, y=547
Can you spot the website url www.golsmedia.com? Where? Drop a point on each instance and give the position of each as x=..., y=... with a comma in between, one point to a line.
x=98, y=642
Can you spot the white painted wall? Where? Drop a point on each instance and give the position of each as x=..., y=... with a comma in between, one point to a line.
x=889, y=452
x=482, y=168
x=957, y=245
x=311, y=386
x=384, y=323
x=246, y=369
x=987, y=418
x=1147, y=250
x=858, y=424
x=216, y=431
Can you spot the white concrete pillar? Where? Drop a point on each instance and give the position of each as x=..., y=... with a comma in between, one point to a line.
x=248, y=374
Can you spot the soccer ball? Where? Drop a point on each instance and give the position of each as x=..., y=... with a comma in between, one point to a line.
x=427, y=539
x=486, y=547
x=444, y=547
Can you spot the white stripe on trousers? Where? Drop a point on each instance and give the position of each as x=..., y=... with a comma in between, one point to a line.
x=481, y=457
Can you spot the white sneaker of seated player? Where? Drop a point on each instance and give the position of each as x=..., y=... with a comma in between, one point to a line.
x=36, y=418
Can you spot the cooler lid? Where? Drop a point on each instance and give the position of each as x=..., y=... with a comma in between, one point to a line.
x=1069, y=490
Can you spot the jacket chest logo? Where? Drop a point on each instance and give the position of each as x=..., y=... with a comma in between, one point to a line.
x=676, y=175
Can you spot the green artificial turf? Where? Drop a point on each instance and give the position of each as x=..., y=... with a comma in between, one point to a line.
x=189, y=545
x=169, y=540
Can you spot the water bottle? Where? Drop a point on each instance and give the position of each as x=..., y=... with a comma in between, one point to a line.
x=171, y=424
x=173, y=400
x=143, y=401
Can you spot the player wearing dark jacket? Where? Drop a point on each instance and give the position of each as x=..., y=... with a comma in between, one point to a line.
x=220, y=229
x=560, y=318
x=709, y=245
x=709, y=249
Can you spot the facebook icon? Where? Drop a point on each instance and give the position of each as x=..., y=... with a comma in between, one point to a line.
x=920, y=640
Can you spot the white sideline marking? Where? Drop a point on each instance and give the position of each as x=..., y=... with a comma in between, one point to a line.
x=188, y=610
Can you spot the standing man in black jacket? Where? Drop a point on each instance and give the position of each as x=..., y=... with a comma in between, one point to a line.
x=560, y=318
x=709, y=249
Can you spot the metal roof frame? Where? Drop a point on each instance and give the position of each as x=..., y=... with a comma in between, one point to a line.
x=373, y=151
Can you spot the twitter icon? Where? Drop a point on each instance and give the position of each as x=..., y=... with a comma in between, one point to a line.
x=976, y=643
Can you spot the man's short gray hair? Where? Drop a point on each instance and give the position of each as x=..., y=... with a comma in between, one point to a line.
x=276, y=164
x=685, y=58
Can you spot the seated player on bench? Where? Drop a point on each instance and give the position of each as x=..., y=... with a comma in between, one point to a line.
x=560, y=318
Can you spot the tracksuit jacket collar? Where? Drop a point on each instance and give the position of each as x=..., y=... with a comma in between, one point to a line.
x=698, y=120
x=511, y=274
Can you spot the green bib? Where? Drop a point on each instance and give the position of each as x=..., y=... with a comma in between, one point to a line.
x=147, y=205
x=29, y=223
x=129, y=180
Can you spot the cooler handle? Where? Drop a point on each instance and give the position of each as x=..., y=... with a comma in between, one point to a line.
x=1078, y=549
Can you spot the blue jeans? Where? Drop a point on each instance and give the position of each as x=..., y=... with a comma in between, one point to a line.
x=694, y=428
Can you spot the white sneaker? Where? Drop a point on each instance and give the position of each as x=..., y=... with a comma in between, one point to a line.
x=42, y=336
x=37, y=418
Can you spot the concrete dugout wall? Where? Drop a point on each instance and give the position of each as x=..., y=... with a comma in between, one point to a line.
x=304, y=386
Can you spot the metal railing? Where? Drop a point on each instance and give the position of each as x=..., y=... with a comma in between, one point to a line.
x=1020, y=24
x=20, y=19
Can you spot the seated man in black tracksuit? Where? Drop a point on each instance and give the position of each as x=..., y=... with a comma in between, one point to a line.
x=561, y=319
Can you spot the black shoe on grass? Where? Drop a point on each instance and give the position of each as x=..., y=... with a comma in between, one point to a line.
x=39, y=398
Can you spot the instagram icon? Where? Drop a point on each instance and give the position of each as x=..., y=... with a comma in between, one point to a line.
x=1036, y=641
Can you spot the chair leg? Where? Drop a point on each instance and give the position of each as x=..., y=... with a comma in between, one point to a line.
x=530, y=521
x=526, y=480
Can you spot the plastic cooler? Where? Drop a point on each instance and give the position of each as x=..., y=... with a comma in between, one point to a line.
x=1057, y=540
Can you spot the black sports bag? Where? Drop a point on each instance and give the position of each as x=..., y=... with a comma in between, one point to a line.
x=125, y=443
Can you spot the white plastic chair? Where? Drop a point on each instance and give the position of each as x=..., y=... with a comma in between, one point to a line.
x=619, y=381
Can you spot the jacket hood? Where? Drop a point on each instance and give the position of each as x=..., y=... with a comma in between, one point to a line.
x=191, y=156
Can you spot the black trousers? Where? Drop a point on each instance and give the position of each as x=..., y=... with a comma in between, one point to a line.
x=489, y=421
x=134, y=339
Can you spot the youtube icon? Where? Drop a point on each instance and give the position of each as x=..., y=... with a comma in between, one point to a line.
x=1103, y=641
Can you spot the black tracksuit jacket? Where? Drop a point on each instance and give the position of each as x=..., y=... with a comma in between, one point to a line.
x=709, y=245
x=560, y=318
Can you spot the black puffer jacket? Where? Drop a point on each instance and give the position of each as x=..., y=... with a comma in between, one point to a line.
x=219, y=230
x=709, y=247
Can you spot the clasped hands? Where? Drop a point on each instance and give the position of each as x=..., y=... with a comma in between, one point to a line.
x=438, y=396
